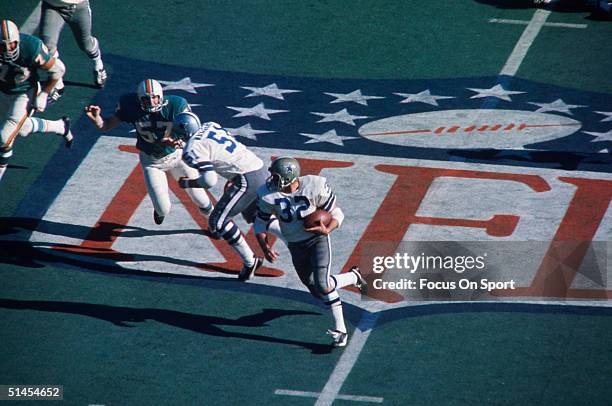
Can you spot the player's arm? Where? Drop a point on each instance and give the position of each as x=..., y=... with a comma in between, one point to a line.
x=264, y=213
x=94, y=113
x=55, y=69
x=198, y=157
x=206, y=180
x=326, y=200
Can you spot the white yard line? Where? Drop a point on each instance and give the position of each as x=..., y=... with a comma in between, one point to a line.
x=524, y=43
x=305, y=394
x=523, y=22
x=347, y=360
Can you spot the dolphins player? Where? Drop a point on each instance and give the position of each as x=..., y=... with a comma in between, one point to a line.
x=152, y=115
x=22, y=56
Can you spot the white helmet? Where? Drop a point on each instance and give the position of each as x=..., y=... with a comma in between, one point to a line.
x=151, y=95
x=9, y=33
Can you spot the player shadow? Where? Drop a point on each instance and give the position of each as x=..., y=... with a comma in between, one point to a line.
x=39, y=254
x=203, y=324
x=11, y=166
x=102, y=232
x=562, y=160
x=80, y=84
x=32, y=254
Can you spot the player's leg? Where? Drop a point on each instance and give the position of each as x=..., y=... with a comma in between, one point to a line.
x=51, y=25
x=250, y=182
x=312, y=260
x=80, y=24
x=221, y=225
x=18, y=122
x=197, y=195
x=157, y=187
x=327, y=286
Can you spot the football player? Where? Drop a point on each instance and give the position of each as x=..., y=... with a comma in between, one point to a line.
x=152, y=115
x=77, y=13
x=22, y=58
x=211, y=150
x=291, y=197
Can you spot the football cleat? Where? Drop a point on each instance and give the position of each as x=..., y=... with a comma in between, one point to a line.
x=361, y=283
x=55, y=95
x=247, y=272
x=100, y=77
x=157, y=218
x=339, y=338
x=68, y=137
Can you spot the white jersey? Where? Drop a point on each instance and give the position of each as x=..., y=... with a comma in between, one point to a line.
x=212, y=148
x=291, y=208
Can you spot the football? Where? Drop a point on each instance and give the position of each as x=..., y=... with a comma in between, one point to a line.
x=313, y=219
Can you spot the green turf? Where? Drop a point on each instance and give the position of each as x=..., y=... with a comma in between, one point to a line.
x=488, y=358
x=112, y=340
x=173, y=353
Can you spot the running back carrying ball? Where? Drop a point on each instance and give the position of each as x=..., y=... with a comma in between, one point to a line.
x=312, y=220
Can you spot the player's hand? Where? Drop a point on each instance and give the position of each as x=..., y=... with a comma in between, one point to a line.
x=40, y=103
x=320, y=229
x=270, y=254
x=94, y=113
x=177, y=144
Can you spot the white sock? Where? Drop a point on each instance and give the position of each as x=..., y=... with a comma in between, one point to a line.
x=338, y=315
x=47, y=126
x=345, y=279
x=2, y=170
x=241, y=247
x=98, y=65
x=60, y=84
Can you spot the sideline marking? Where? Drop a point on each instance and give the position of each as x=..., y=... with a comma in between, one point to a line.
x=346, y=362
x=524, y=22
x=304, y=394
x=524, y=43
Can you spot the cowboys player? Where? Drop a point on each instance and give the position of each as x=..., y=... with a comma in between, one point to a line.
x=77, y=13
x=152, y=115
x=291, y=197
x=211, y=150
x=22, y=56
